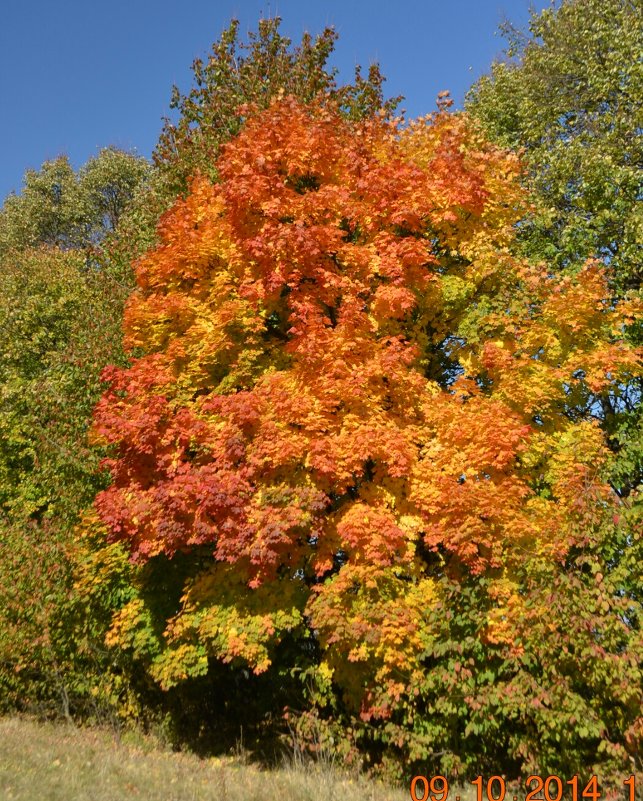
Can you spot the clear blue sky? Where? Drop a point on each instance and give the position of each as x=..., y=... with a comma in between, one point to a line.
x=78, y=75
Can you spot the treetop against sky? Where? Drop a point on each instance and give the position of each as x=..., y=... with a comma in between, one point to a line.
x=76, y=77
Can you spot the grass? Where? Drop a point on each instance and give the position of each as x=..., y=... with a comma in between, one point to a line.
x=56, y=762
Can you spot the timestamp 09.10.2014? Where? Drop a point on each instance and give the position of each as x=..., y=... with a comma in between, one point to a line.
x=536, y=788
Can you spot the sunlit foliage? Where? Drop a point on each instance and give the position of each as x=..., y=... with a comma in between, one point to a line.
x=364, y=419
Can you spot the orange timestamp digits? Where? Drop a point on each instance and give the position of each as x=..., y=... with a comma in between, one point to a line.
x=553, y=788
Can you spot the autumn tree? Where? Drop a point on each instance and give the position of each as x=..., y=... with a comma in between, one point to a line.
x=359, y=421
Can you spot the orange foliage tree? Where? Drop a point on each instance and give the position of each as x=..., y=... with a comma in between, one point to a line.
x=360, y=414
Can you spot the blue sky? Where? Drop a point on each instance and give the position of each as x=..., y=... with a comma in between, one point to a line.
x=77, y=75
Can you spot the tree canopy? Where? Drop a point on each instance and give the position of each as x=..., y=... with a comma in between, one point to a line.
x=352, y=399
x=570, y=95
x=59, y=207
x=236, y=73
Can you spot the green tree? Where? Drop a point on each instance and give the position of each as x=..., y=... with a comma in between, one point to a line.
x=59, y=326
x=571, y=95
x=61, y=308
x=59, y=207
x=60, y=318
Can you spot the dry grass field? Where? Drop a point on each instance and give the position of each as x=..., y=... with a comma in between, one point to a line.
x=54, y=762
